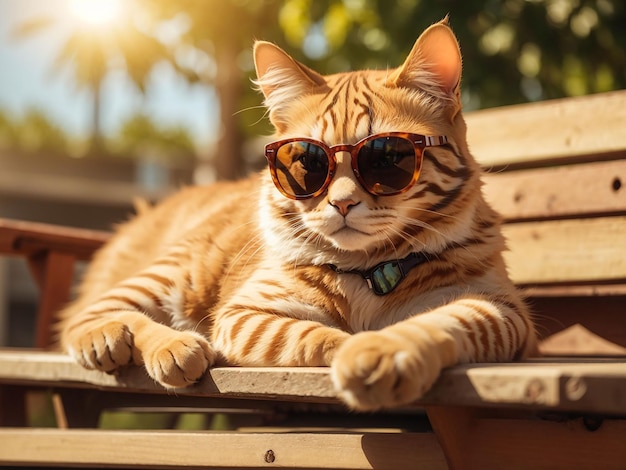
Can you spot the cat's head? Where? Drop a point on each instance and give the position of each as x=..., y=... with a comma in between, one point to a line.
x=347, y=216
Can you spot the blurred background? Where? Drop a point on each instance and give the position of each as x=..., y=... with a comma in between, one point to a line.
x=105, y=100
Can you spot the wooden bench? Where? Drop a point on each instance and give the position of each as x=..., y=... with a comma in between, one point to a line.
x=557, y=172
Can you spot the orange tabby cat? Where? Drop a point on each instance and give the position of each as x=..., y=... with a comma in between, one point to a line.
x=366, y=247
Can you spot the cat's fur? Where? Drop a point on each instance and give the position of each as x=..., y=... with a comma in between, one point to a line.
x=236, y=273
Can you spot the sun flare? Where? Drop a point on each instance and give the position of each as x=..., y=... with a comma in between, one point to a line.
x=96, y=12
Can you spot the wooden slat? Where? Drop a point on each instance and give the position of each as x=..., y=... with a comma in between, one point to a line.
x=555, y=130
x=28, y=238
x=592, y=250
x=548, y=445
x=572, y=385
x=47, y=447
x=313, y=383
x=534, y=383
x=472, y=441
x=564, y=191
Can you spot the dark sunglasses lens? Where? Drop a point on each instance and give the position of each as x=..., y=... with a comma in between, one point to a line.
x=301, y=168
x=387, y=164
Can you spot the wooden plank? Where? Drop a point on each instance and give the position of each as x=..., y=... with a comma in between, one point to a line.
x=171, y=449
x=573, y=385
x=525, y=384
x=472, y=441
x=313, y=383
x=547, y=445
x=555, y=130
x=589, y=250
x=588, y=290
x=565, y=191
x=55, y=273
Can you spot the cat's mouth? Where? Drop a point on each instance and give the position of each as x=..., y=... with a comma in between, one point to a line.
x=347, y=229
x=350, y=238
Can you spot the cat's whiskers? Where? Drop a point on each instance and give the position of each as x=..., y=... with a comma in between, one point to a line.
x=256, y=239
x=250, y=108
x=437, y=213
x=409, y=221
x=312, y=238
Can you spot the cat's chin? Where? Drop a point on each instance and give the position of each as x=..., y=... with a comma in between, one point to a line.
x=350, y=239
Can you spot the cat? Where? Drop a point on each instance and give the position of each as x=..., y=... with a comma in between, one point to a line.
x=367, y=246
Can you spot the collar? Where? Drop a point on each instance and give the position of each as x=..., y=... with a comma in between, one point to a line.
x=385, y=277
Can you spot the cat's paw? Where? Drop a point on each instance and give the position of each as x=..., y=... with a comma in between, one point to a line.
x=103, y=345
x=372, y=371
x=178, y=360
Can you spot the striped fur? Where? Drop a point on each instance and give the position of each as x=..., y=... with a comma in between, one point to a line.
x=237, y=274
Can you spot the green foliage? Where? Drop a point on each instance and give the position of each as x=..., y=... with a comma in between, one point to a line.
x=34, y=132
x=182, y=421
x=140, y=136
x=8, y=137
x=40, y=410
x=37, y=132
x=514, y=50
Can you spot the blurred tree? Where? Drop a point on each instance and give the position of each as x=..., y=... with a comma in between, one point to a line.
x=140, y=137
x=93, y=52
x=213, y=46
x=513, y=50
x=8, y=136
x=36, y=132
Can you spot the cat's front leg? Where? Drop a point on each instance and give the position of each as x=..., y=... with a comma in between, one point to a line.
x=254, y=335
x=112, y=339
x=128, y=323
x=398, y=364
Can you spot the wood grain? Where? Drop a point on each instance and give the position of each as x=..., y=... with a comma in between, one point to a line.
x=208, y=449
x=551, y=131
x=582, y=190
x=526, y=384
x=561, y=251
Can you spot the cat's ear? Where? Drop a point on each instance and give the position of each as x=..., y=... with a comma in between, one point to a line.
x=434, y=63
x=281, y=78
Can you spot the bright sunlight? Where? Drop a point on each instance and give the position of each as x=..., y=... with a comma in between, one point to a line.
x=96, y=12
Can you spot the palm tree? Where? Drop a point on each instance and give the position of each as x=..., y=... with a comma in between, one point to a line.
x=221, y=30
x=93, y=52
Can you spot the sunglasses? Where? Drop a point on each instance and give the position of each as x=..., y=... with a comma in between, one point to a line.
x=384, y=164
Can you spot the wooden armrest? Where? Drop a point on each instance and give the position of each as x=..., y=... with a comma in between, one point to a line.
x=51, y=252
x=32, y=238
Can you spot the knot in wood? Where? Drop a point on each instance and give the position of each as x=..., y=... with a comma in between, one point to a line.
x=269, y=456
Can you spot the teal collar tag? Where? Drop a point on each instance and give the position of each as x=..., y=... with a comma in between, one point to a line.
x=385, y=277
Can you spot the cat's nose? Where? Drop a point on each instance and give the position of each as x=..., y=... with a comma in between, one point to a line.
x=343, y=205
